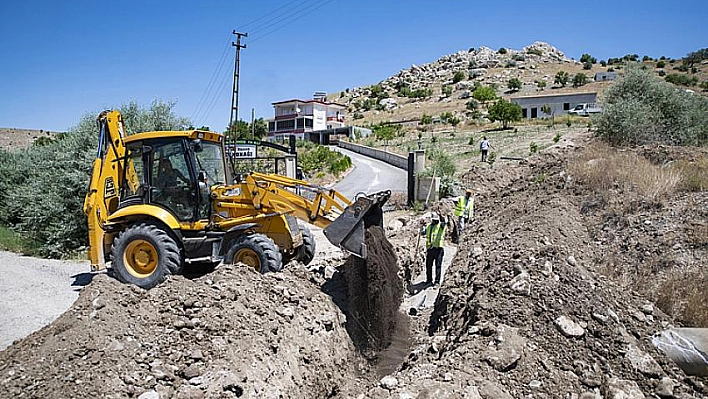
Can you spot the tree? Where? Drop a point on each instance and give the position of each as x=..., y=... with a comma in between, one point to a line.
x=562, y=78
x=454, y=121
x=446, y=90
x=505, y=112
x=642, y=109
x=587, y=65
x=238, y=130
x=502, y=50
x=588, y=58
x=548, y=110
x=541, y=84
x=514, y=84
x=484, y=94
x=60, y=171
x=580, y=79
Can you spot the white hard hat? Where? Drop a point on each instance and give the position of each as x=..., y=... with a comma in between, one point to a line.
x=434, y=216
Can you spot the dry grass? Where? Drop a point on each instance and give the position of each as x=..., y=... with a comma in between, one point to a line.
x=604, y=168
x=694, y=174
x=683, y=295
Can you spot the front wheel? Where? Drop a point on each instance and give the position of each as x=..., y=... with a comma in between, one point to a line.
x=257, y=251
x=144, y=255
x=306, y=252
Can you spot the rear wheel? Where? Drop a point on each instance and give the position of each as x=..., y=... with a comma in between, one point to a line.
x=257, y=251
x=306, y=252
x=144, y=255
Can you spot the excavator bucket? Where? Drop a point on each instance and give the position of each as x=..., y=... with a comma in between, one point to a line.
x=347, y=231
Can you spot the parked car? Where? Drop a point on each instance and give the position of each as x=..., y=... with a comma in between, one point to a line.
x=585, y=109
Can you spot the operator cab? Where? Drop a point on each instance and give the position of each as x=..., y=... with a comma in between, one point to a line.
x=174, y=173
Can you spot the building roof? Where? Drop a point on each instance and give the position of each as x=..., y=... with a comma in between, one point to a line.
x=556, y=95
x=295, y=100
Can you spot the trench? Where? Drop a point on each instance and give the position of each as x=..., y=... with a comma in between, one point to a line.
x=369, y=292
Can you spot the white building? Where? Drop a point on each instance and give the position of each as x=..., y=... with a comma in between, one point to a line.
x=304, y=116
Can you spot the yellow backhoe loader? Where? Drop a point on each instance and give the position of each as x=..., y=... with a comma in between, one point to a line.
x=158, y=201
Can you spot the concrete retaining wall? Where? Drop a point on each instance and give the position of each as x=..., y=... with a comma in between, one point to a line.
x=396, y=160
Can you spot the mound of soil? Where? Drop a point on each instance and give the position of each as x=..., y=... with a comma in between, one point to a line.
x=527, y=309
x=231, y=333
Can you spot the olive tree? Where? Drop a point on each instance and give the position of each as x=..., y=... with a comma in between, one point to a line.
x=505, y=112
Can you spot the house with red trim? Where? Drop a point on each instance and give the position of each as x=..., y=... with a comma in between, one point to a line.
x=297, y=117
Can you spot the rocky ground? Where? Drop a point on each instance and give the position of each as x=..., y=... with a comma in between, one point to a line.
x=531, y=307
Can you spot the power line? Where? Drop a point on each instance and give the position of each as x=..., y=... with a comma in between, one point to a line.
x=204, y=99
x=288, y=20
x=270, y=13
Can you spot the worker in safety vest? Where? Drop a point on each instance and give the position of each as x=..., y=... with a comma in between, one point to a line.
x=464, y=210
x=434, y=236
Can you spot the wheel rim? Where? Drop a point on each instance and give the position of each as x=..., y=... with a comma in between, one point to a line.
x=140, y=258
x=248, y=257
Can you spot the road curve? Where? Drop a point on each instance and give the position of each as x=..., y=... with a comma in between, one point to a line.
x=370, y=175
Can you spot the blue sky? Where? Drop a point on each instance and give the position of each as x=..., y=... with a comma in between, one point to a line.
x=64, y=59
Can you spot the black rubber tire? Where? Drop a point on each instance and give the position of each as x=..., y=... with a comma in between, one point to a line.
x=260, y=250
x=306, y=252
x=151, y=243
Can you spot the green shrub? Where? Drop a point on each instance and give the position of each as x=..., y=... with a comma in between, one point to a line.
x=446, y=90
x=533, y=147
x=42, y=188
x=535, y=51
x=661, y=64
x=642, y=109
x=557, y=137
x=587, y=65
x=484, y=94
x=472, y=105
x=588, y=58
x=502, y=51
x=320, y=159
x=562, y=78
x=458, y=77
x=580, y=79
x=514, y=84
x=681, y=79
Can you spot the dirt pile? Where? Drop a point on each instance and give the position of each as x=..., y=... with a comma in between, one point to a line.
x=526, y=310
x=230, y=333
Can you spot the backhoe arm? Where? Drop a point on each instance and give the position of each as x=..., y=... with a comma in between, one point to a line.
x=104, y=187
x=343, y=221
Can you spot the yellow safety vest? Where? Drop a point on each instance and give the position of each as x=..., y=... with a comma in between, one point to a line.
x=465, y=207
x=434, y=234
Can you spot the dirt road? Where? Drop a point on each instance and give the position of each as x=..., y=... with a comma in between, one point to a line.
x=34, y=292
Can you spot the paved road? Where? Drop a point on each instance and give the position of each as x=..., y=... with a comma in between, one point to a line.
x=370, y=176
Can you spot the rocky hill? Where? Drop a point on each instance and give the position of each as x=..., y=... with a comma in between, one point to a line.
x=12, y=138
x=446, y=84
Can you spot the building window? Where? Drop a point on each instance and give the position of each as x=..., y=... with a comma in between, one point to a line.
x=286, y=125
x=300, y=123
x=534, y=112
x=566, y=106
x=308, y=122
x=524, y=113
x=271, y=126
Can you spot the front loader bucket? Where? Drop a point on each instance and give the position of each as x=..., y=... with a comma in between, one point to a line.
x=347, y=231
